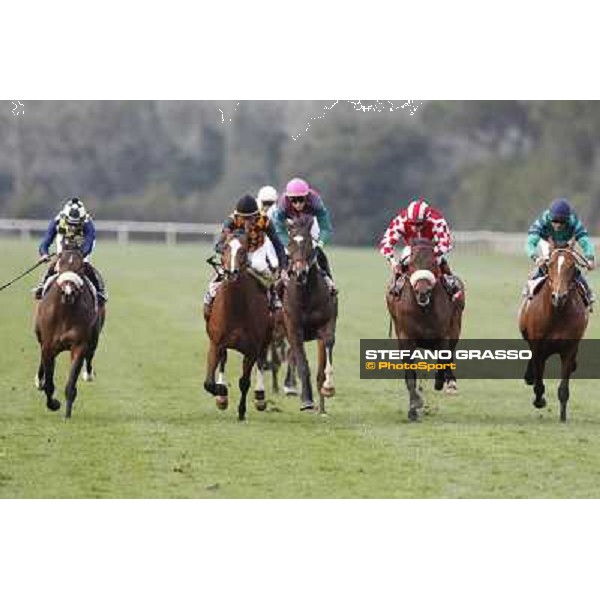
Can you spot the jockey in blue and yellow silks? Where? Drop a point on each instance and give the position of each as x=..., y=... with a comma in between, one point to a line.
x=560, y=224
x=74, y=224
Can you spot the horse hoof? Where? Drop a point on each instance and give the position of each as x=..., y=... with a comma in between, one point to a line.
x=260, y=405
x=290, y=391
x=328, y=392
x=89, y=376
x=413, y=415
x=451, y=388
x=528, y=380
x=437, y=386
x=307, y=406
x=221, y=390
x=259, y=395
x=222, y=402
x=539, y=403
x=53, y=405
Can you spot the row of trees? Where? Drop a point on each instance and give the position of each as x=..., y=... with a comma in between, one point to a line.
x=487, y=164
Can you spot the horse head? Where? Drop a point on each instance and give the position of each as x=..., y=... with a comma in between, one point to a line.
x=423, y=269
x=300, y=247
x=69, y=267
x=562, y=268
x=234, y=258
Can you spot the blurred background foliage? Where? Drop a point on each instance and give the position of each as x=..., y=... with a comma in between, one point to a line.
x=487, y=164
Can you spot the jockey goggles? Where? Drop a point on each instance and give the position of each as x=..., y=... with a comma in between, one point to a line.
x=297, y=199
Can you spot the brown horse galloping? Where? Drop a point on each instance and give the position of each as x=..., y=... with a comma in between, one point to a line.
x=309, y=312
x=67, y=318
x=239, y=319
x=553, y=322
x=424, y=316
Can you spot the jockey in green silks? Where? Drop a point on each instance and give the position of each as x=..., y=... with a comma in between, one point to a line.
x=560, y=224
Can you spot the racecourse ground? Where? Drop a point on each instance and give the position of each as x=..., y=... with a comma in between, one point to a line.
x=146, y=428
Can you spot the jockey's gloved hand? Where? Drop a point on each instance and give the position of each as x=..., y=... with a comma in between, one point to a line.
x=44, y=258
x=591, y=263
x=393, y=262
x=319, y=243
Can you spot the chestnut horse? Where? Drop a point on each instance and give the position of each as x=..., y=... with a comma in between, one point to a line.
x=553, y=322
x=239, y=319
x=309, y=312
x=424, y=316
x=67, y=318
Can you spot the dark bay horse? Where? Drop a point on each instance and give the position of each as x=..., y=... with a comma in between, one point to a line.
x=67, y=318
x=424, y=316
x=553, y=322
x=239, y=319
x=309, y=312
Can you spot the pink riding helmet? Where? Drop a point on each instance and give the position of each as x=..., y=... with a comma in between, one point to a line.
x=297, y=187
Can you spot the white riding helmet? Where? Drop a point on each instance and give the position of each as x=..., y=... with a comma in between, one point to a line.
x=74, y=203
x=267, y=195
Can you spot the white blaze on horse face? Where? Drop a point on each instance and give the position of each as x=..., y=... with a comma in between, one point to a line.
x=561, y=261
x=298, y=238
x=235, y=245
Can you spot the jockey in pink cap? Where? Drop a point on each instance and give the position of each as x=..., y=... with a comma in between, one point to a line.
x=300, y=199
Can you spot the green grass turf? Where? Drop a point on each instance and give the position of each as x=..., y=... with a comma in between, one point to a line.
x=146, y=428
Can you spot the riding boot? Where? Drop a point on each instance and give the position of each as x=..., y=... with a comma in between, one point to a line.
x=451, y=283
x=588, y=294
x=323, y=263
x=39, y=288
x=210, y=294
x=97, y=281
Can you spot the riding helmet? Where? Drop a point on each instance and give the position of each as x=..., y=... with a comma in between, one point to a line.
x=560, y=209
x=246, y=206
x=75, y=215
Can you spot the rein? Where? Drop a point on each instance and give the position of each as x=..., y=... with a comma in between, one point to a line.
x=37, y=264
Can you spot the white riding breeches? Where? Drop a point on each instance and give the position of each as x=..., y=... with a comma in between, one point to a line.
x=264, y=258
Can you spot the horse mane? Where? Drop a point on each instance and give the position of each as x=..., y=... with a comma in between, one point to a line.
x=301, y=222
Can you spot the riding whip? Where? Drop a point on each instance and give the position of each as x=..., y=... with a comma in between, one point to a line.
x=37, y=264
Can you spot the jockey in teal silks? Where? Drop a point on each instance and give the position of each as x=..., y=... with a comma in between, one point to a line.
x=560, y=225
x=300, y=199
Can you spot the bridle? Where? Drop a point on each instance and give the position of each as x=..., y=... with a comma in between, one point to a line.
x=579, y=260
x=232, y=271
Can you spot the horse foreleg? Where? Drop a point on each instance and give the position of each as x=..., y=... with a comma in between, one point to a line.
x=88, y=371
x=539, y=364
x=321, y=360
x=528, y=377
x=259, y=386
x=78, y=355
x=216, y=389
x=415, y=401
x=301, y=362
x=244, y=383
x=567, y=367
x=222, y=399
x=289, y=385
x=48, y=362
x=39, y=377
